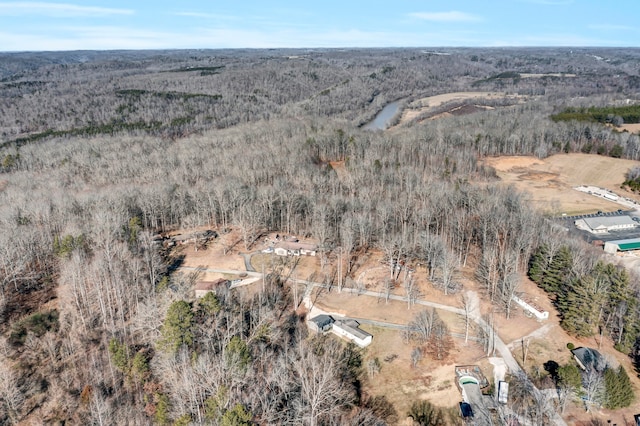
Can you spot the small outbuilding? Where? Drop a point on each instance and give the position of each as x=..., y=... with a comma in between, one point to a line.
x=320, y=323
x=204, y=287
x=465, y=410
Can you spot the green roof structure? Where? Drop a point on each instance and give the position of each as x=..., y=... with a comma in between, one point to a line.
x=629, y=246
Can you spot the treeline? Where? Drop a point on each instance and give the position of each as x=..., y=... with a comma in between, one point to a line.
x=591, y=299
x=632, y=179
x=613, y=115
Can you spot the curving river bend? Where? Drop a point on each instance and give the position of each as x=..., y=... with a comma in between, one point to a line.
x=384, y=117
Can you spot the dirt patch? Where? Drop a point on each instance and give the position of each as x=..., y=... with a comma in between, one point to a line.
x=549, y=183
x=467, y=109
x=422, y=106
x=340, y=169
x=631, y=128
x=402, y=384
x=516, y=162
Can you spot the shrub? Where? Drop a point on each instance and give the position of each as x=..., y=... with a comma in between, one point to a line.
x=38, y=324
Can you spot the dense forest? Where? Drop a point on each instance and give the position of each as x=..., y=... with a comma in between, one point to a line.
x=102, y=151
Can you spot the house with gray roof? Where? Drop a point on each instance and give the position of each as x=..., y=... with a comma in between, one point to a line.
x=320, y=323
x=588, y=358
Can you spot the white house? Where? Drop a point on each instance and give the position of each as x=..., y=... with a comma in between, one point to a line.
x=350, y=329
x=289, y=248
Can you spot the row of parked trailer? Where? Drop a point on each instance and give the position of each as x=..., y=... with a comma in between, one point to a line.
x=618, y=212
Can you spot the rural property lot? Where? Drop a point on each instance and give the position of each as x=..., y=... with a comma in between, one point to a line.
x=550, y=181
x=397, y=380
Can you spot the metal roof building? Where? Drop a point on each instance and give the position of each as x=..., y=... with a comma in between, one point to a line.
x=604, y=224
x=622, y=245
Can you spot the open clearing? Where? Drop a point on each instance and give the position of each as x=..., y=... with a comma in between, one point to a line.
x=631, y=128
x=549, y=182
x=420, y=106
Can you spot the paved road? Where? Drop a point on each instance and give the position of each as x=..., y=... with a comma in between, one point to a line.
x=394, y=326
x=222, y=271
x=253, y=276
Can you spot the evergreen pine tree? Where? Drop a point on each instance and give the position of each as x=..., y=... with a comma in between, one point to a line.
x=579, y=307
x=558, y=272
x=177, y=327
x=539, y=264
x=619, y=392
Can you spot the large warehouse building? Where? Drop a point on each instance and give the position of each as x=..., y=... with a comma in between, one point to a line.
x=604, y=224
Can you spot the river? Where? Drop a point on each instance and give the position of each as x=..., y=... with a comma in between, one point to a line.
x=384, y=117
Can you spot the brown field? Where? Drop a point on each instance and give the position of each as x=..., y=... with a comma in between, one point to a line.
x=631, y=128
x=420, y=106
x=403, y=384
x=549, y=182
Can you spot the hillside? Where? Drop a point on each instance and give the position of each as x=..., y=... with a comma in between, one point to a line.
x=116, y=166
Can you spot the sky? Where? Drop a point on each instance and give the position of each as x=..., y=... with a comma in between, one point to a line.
x=200, y=24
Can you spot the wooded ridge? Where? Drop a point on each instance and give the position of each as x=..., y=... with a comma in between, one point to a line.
x=103, y=151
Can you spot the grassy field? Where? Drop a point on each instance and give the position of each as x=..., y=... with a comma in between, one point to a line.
x=549, y=182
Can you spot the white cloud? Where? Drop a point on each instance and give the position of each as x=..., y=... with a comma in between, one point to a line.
x=452, y=16
x=58, y=10
x=108, y=37
x=611, y=27
x=205, y=15
x=565, y=40
x=549, y=2
x=116, y=37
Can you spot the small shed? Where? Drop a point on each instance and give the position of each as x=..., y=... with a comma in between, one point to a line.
x=204, y=287
x=320, y=323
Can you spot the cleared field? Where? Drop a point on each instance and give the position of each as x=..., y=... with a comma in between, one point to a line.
x=420, y=106
x=549, y=182
x=631, y=128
